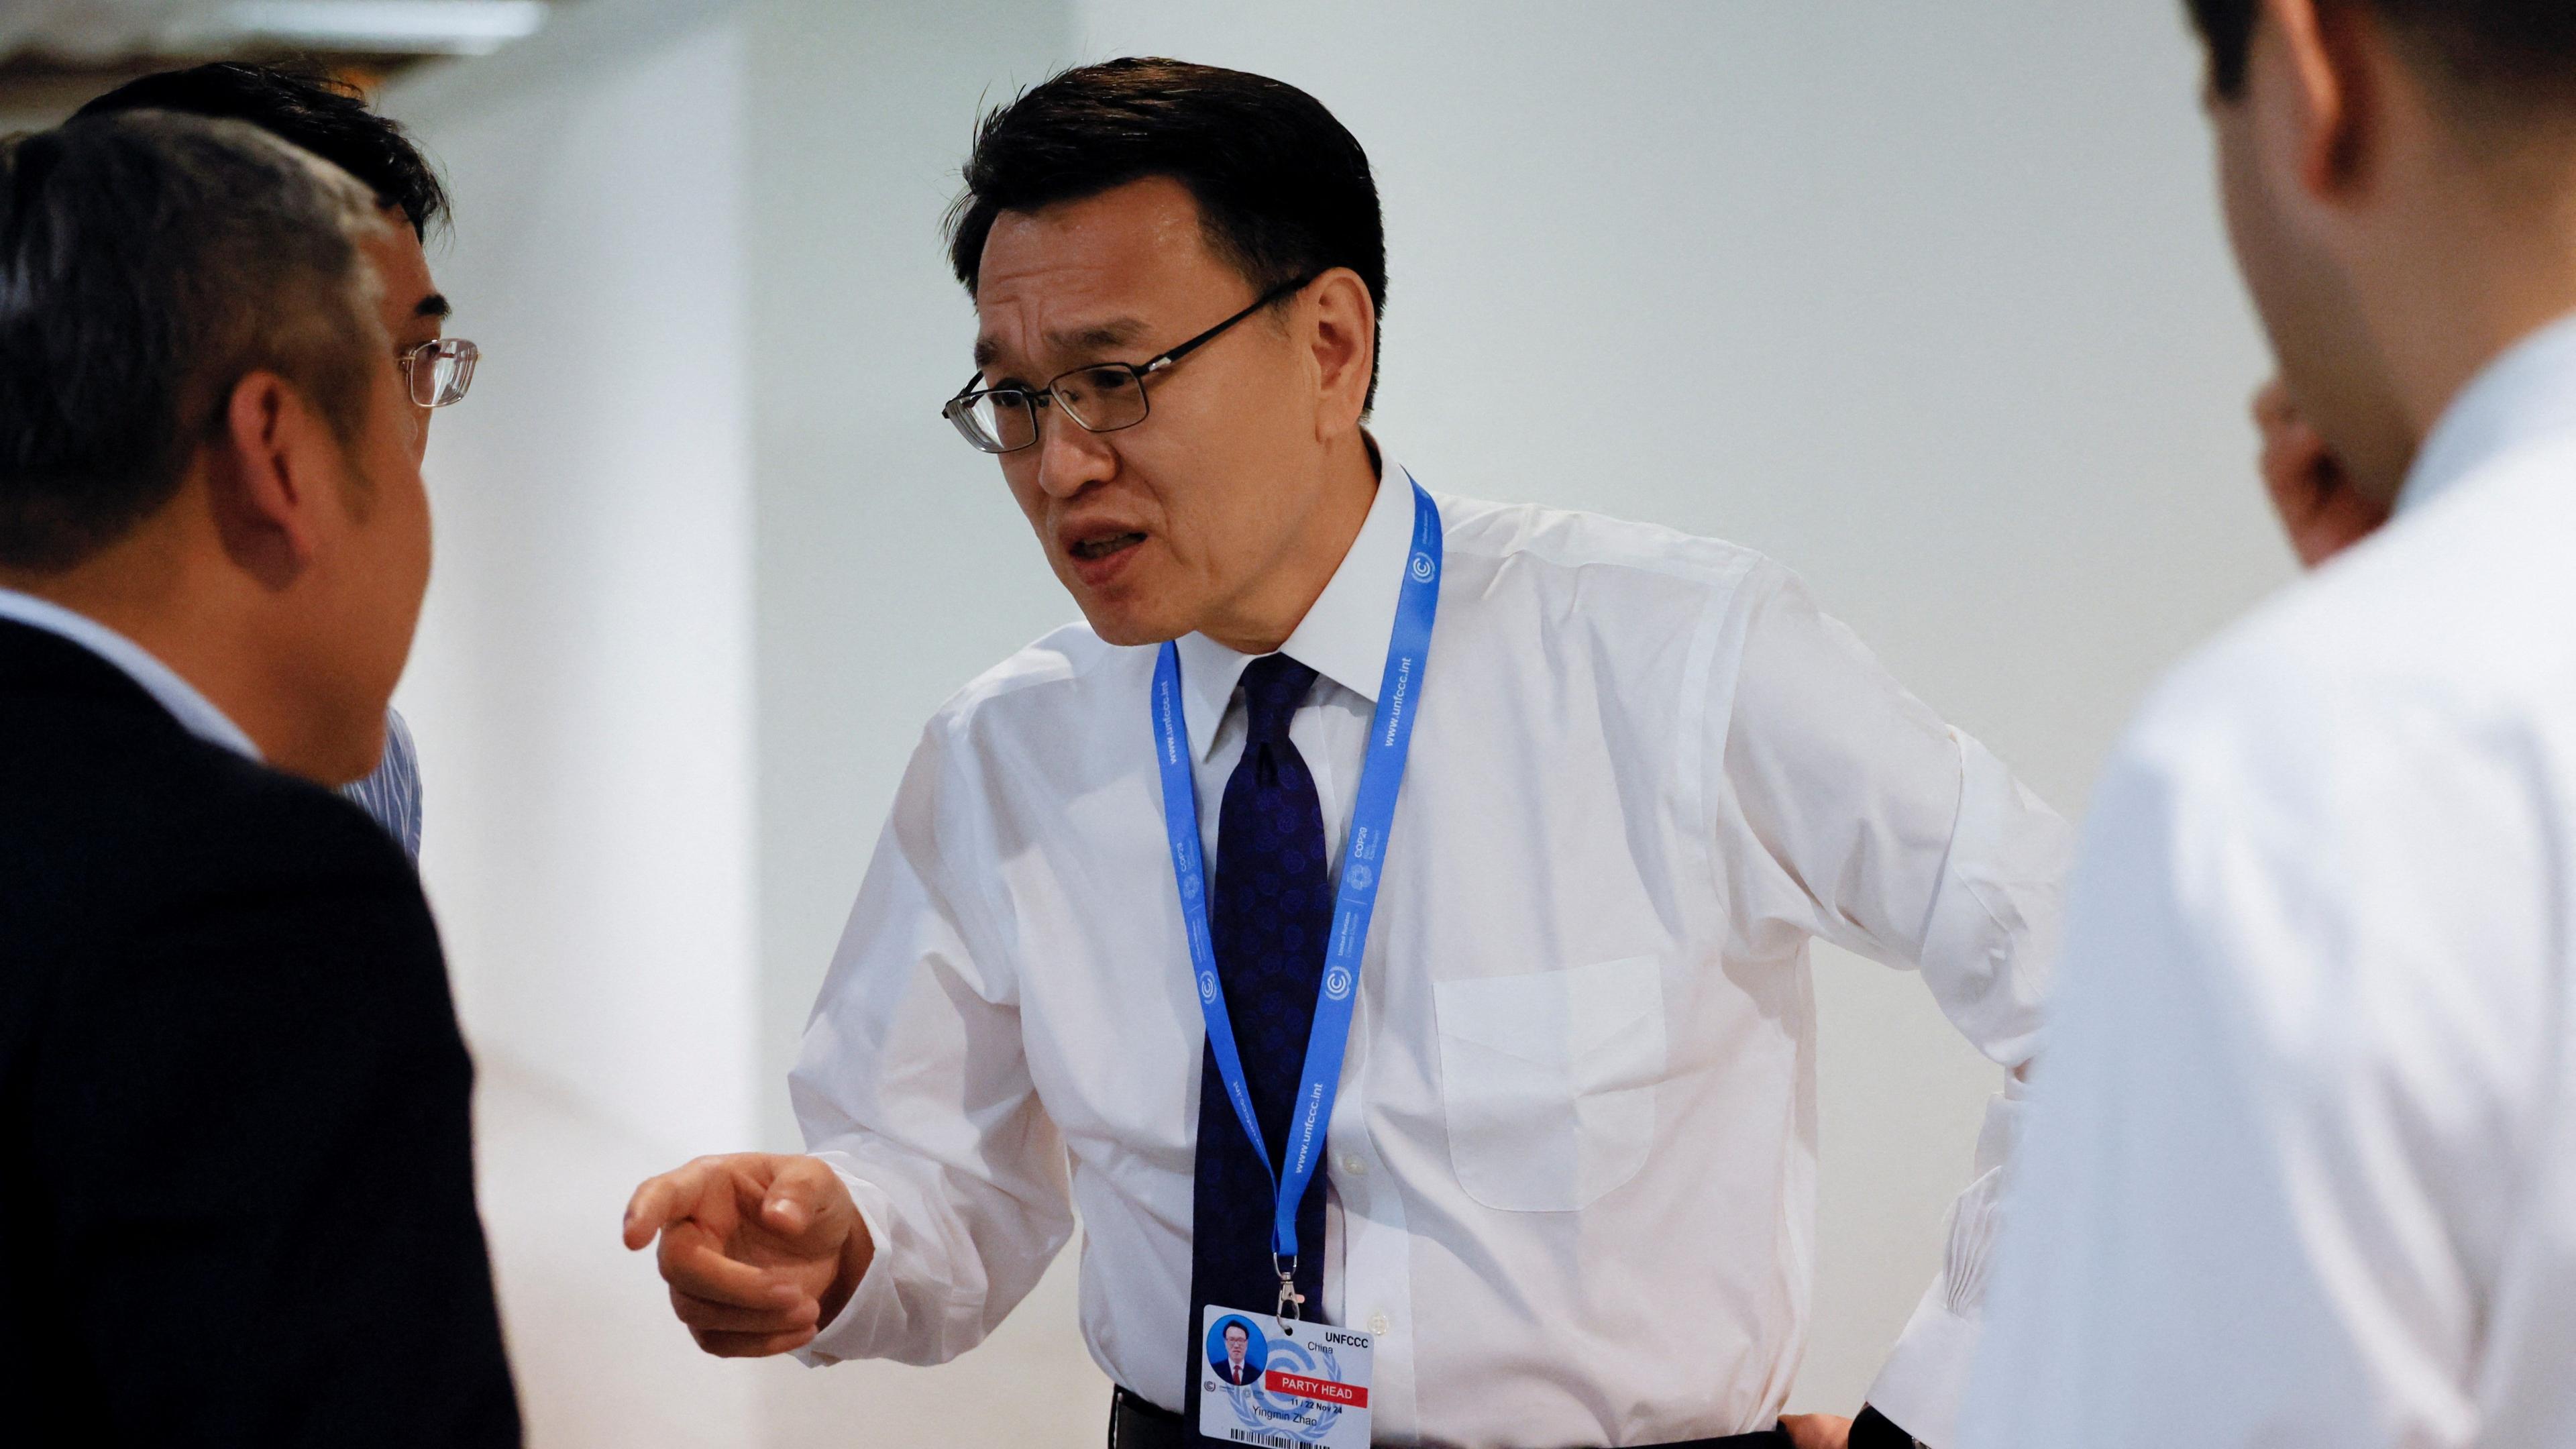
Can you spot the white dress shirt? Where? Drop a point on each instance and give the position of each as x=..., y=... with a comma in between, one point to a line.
x=2302, y=1160
x=1572, y=1164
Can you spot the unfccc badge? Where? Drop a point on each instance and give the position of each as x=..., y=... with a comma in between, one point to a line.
x=1277, y=1385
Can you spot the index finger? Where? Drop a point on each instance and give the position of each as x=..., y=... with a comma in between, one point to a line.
x=658, y=1201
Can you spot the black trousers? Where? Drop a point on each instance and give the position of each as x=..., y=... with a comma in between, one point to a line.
x=1136, y=1424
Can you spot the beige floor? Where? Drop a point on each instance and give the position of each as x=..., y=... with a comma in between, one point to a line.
x=601, y=1365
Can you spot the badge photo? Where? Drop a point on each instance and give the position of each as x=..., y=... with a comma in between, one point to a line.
x=1237, y=1351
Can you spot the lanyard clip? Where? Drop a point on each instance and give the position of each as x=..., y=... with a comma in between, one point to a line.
x=1290, y=1300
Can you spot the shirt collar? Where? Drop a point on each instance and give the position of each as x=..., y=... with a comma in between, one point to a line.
x=2527, y=394
x=196, y=713
x=1343, y=637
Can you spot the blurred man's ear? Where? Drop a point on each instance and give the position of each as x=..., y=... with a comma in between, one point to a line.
x=272, y=465
x=2315, y=91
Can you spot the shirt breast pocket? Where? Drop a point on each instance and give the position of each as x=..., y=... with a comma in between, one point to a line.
x=1548, y=1080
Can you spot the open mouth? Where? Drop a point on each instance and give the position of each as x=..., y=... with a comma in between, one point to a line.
x=1092, y=550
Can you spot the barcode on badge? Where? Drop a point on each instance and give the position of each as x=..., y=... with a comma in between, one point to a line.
x=1266, y=1441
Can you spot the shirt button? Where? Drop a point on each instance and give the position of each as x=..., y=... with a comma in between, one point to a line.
x=1378, y=1324
x=1352, y=1164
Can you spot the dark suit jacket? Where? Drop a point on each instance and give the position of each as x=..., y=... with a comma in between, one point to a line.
x=1251, y=1372
x=236, y=1181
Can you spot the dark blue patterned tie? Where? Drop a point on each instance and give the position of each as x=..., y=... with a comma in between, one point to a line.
x=1271, y=915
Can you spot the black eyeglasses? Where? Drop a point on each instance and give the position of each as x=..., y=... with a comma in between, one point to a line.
x=1101, y=398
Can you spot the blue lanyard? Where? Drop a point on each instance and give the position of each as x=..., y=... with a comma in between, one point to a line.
x=1390, y=736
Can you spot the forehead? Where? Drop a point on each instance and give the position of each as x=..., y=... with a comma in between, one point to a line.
x=396, y=252
x=1095, y=272
x=399, y=262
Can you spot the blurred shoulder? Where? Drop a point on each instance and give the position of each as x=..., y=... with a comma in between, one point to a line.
x=2440, y=641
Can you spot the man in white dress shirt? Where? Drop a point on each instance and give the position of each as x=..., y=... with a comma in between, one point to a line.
x=1568, y=1180
x=2302, y=1167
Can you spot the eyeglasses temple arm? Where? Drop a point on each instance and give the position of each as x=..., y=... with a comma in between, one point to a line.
x=1284, y=289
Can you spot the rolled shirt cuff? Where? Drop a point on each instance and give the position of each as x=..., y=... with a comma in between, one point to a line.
x=1922, y=1383
x=874, y=1307
x=1925, y=1379
x=1991, y=939
x=1874, y=1430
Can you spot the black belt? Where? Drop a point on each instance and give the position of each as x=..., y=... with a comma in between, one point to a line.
x=1136, y=1423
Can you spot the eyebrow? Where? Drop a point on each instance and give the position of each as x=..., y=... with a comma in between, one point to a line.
x=1100, y=337
x=433, y=305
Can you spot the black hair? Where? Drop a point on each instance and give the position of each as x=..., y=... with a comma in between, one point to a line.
x=2227, y=28
x=147, y=263
x=1283, y=189
x=305, y=107
x=2496, y=50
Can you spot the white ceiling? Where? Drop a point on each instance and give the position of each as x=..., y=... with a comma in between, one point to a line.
x=100, y=33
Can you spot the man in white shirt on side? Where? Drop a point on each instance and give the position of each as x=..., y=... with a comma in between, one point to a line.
x=1567, y=1182
x=2302, y=1162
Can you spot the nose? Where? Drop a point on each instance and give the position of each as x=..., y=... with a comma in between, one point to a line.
x=1070, y=456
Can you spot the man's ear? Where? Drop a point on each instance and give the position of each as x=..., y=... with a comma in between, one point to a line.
x=2321, y=107
x=1345, y=343
x=271, y=464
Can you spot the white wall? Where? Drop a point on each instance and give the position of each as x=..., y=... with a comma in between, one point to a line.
x=893, y=566
x=581, y=689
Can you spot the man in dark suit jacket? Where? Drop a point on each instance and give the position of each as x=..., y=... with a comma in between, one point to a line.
x=236, y=1181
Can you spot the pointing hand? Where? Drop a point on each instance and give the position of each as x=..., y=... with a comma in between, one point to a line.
x=760, y=1249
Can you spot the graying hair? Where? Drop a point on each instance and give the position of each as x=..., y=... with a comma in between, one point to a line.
x=148, y=262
